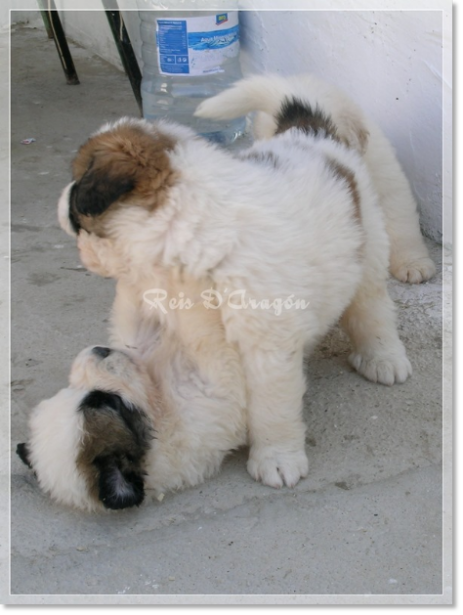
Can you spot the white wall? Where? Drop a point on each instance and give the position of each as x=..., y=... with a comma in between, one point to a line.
x=389, y=61
x=91, y=30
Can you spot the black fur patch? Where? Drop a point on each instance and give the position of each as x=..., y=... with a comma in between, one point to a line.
x=297, y=114
x=117, y=488
x=73, y=217
x=22, y=450
x=95, y=193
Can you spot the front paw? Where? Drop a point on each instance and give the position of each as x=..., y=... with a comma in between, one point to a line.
x=385, y=368
x=275, y=468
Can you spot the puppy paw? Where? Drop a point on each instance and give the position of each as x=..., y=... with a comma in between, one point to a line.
x=414, y=271
x=276, y=468
x=385, y=369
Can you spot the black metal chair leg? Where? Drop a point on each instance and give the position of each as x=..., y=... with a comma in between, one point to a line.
x=53, y=25
x=47, y=23
x=126, y=53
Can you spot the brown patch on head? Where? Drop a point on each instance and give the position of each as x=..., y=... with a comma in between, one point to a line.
x=127, y=165
x=114, y=445
x=345, y=174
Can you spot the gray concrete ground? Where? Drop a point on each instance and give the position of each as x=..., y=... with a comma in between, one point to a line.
x=365, y=527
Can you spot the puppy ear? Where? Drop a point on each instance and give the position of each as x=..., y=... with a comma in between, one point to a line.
x=22, y=450
x=117, y=438
x=97, y=190
x=117, y=488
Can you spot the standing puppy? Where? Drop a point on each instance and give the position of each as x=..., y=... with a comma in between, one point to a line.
x=288, y=237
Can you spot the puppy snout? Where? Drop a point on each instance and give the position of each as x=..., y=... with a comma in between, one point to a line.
x=101, y=351
x=22, y=450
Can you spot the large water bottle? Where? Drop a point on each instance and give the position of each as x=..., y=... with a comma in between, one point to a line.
x=189, y=56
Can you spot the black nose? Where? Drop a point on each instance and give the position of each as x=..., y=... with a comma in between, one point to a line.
x=101, y=351
x=23, y=451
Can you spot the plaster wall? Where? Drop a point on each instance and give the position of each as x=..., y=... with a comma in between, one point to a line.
x=390, y=61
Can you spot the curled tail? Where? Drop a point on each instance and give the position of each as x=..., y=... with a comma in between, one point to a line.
x=302, y=102
x=258, y=93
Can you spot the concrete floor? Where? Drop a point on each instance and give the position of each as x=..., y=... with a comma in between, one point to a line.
x=366, y=526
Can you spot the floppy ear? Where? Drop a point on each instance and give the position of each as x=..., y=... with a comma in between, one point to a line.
x=117, y=439
x=97, y=190
x=117, y=488
x=22, y=450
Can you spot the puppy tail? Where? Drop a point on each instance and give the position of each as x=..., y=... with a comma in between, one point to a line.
x=302, y=101
x=258, y=93
x=280, y=102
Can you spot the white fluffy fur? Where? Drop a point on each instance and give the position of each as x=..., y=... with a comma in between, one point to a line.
x=409, y=257
x=196, y=419
x=275, y=222
x=235, y=224
x=55, y=431
x=199, y=377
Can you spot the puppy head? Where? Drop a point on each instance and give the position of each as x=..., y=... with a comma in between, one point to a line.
x=88, y=444
x=125, y=164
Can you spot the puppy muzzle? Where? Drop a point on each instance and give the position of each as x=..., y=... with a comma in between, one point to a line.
x=64, y=203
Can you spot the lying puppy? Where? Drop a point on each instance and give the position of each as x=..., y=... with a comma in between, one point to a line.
x=115, y=431
x=287, y=236
x=409, y=257
x=88, y=444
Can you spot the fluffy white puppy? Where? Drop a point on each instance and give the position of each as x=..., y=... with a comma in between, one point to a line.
x=288, y=238
x=409, y=257
x=116, y=430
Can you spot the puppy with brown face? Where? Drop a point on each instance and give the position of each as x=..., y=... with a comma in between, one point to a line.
x=289, y=236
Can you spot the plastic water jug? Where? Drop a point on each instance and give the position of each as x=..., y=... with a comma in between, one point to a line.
x=189, y=56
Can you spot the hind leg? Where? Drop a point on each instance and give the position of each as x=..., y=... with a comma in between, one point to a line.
x=409, y=258
x=378, y=354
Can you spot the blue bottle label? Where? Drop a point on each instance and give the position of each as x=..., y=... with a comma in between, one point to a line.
x=197, y=45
